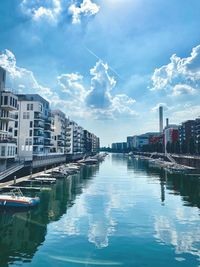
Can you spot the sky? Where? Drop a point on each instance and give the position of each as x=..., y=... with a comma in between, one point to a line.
x=108, y=64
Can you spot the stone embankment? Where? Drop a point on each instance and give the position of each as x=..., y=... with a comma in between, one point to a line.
x=186, y=160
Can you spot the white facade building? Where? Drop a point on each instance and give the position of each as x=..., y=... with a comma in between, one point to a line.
x=59, y=125
x=74, y=138
x=33, y=127
x=8, y=104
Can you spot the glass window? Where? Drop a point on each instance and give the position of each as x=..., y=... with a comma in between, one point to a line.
x=5, y=100
x=3, y=151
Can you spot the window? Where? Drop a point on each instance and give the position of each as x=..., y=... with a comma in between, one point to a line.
x=3, y=151
x=31, y=124
x=22, y=148
x=29, y=106
x=15, y=132
x=5, y=100
x=26, y=115
x=16, y=124
x=31, y=133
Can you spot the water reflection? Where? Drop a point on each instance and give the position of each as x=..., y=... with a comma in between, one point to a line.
x=22, y=232
x=123, y=213
x=177, y=226
x=186, y=186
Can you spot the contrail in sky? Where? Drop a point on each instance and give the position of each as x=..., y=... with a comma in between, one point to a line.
x=92, y=53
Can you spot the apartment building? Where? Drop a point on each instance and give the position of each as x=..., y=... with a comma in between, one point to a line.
x=8, y=104
x=74, y=138
x=187, y=133
x=87, y=140
x=59, y=125
x=32, y=127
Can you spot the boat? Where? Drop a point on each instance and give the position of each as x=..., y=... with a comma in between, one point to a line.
x=17, y=199
x=90, y=161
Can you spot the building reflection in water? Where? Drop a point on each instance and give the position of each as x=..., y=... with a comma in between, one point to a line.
x=23, y=231
x=186, y=186
x=180, y=226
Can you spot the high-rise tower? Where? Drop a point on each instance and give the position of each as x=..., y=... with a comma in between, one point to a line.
x=161, y=119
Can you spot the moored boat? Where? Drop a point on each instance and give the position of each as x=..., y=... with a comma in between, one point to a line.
x=17, y=199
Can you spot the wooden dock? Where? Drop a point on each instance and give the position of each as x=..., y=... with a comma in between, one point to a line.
x=14, y=183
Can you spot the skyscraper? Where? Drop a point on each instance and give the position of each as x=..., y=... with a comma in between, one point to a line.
x=161, y=119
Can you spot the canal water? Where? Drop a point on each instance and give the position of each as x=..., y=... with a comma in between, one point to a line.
x=119, y=213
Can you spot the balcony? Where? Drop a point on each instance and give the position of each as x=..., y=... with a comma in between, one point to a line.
x=38, y=116
x=38, y=133
x=48, y=128
x=38, y=143
x=60, y=143
x=7, y=148
x=38, y=124
x=48, y=144
x=8, y=101
x=48, y=121
x=8, y=140
x=61, y=138
x=7, y=116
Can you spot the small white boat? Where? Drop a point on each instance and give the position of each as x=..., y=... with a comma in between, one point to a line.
x=17, y=199
x=45, y=179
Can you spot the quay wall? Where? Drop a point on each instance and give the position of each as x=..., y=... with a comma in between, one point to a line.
x=187, y=160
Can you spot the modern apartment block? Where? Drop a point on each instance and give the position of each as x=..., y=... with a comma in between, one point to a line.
x=119, y=147
x=171, y=134
x=32, y=129
x=8, y=104
x=187, y=133
x=74, y=138
x=87, y=137
x=31, y=132
x=95, y=143
x=197, y=135
x=59, y=125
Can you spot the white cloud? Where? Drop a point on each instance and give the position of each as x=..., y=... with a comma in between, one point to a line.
x=101, y=86
x=122, y=105
x=180, y=89
x=87, y=8
x=71, y=83
x=186, y=112
x=21, y=79
x=48, y=9
x=71, y=95
x=181, y=76
x=156, y=107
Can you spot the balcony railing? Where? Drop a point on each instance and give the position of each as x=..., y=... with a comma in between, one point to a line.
x=38, y=143
x=38, y=134
x=8, y=140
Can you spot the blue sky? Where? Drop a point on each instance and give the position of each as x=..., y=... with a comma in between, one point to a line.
x=106, y=63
